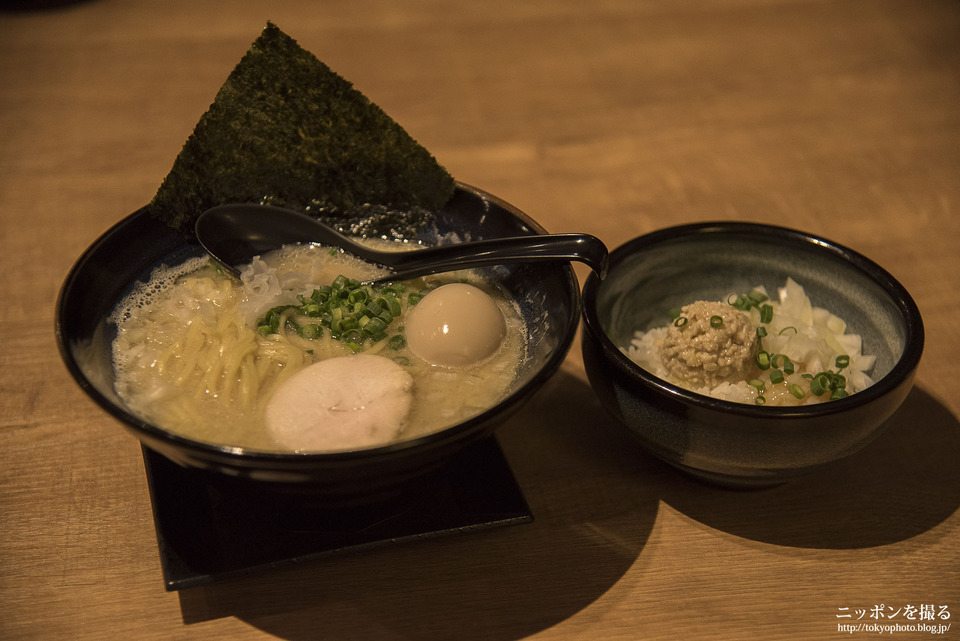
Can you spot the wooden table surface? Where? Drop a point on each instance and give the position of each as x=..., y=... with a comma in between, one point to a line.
x=613, y=117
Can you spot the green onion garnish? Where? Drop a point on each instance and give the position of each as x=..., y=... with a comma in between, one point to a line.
x=842, y=361
x=353, y=313
x=745, y=303
x=716, y=322
x=757, y=296
x=797, y=391
x=780, y=333
x=358, y=296
x=776, y=376
x=763, y=360
x=782, y=361
x=756, y=382
x=760, y=400
x=680, y=322
x=766, y=313
x=819, y=384
x=311, y=331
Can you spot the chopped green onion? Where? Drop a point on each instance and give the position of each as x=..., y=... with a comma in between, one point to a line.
x=838, y=393
x=395, y=288
x=782, y=361
x=680, y=322
x=390, y=303
x=842, y=361
x=374, y=327
x=744, y=303
x=413, y=298
x=351, y=311
x=757, y=296
x=780, y=333
x=761, y=332
x=763, y=360
x=358, y=296
x=397, y=342
x=716, y=322
x=756, y=382
x=797, y=391
x=760, y=400
x=766, y=313
x=819, y=384
x=839, y=382
x=311, y=331
x=776, y=376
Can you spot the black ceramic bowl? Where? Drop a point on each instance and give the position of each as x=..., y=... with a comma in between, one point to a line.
x=721, y=441
x=548, y=296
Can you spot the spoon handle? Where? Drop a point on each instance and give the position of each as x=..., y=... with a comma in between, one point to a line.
x=521, y=249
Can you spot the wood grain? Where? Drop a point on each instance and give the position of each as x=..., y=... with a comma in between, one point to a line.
x=613, y=118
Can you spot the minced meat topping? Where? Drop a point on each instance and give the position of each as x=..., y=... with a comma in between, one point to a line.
x=702, y=350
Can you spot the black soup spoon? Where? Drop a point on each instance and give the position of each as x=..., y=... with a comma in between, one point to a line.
x=234, y=233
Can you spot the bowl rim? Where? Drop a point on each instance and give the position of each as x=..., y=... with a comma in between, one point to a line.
x=248, y=457
x=904, y=367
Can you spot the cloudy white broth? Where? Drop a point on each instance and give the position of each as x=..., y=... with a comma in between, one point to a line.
x=298, y=356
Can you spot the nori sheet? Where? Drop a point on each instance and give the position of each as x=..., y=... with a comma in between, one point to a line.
x=286, y=130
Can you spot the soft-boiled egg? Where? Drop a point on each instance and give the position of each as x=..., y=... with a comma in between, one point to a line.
x=346, y=402
x=455, y=325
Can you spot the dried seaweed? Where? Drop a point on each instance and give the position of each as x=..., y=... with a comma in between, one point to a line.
x=286, y=130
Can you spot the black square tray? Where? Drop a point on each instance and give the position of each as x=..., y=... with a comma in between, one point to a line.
x=207, y=530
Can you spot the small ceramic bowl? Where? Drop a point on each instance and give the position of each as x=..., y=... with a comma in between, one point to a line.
x=728, y=443
x=548, y=297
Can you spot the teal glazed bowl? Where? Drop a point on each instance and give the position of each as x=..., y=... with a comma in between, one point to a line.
x=723, y=442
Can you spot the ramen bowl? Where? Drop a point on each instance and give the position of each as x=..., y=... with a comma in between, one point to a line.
x=546, y=295
x=724, y=442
